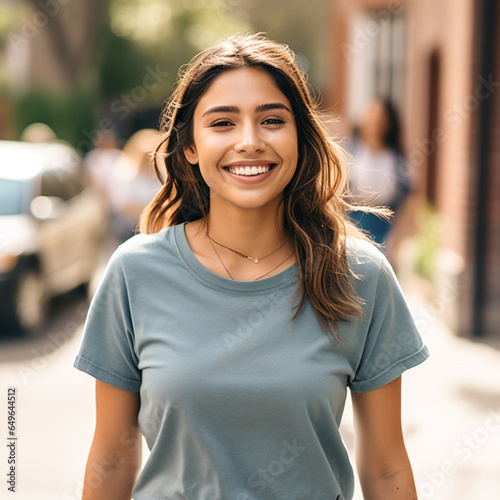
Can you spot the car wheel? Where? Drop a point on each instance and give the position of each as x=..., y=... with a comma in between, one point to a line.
x=30, y=302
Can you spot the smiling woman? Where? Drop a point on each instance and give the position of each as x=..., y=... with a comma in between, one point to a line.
x=230, y=331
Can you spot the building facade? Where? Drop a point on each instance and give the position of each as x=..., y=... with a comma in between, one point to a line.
x=438, y=61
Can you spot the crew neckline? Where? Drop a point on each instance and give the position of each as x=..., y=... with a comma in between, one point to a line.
x=203, y=273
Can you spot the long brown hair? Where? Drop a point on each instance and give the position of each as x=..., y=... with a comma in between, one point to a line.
x=314, y=200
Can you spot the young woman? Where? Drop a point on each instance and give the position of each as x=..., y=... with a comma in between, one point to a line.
x=229, y=332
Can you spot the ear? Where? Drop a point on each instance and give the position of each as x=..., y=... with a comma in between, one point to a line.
x=191, y=154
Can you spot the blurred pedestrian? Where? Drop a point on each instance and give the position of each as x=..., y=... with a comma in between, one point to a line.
x=378, y=173
x=229, y=333
x=102, y=160
x=131, y=184
x=37, y=133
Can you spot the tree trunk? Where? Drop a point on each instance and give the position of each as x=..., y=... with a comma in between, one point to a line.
x=70, y=54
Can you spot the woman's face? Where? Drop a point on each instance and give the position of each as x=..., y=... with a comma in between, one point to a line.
x=375, y=122
x=244, y=140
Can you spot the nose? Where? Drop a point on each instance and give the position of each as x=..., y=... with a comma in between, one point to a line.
x=249, y=141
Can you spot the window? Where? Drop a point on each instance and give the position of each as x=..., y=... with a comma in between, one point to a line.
x=375, y=53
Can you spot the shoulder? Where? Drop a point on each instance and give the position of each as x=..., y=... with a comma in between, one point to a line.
x=374, y=277
x=363, y=255
x=143, y=247
x=144, y=242
x=367, y=262
x=138, y=263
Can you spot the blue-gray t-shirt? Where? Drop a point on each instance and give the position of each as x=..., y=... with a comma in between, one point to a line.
x=238, y=402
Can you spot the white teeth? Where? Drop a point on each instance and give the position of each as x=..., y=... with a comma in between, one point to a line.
x=249, y=171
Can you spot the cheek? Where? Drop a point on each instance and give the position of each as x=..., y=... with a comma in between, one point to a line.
x=210, y=177
x=285, y=144
x=290, y=149
x=211, y=147
x=293, y=157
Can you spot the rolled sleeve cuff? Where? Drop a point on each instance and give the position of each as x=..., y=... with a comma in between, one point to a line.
x=107, y=377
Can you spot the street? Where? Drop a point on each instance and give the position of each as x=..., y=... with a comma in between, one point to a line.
x=54, y=413
x=451, y=412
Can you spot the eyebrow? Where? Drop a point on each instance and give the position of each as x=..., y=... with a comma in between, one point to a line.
x=259, y=109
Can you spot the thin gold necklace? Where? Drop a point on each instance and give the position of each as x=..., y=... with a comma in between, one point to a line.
x=254, y=259
x=255, y=279
x=274, y=268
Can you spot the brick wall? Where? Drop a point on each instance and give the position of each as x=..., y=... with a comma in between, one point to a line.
x=444, y=28
x=485, y=318
x=447, y=30
x=491, y=309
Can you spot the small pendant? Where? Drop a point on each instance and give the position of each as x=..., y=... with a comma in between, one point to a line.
x=256, y=261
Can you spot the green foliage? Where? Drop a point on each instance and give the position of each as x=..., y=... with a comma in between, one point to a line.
x=9, y=13
x=137, y=49
x=119, y=63
x=302, y=25
x=142, y=34
x=429, y=243
x=70, y=115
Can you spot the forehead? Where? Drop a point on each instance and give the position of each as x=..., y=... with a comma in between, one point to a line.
x=240, y=87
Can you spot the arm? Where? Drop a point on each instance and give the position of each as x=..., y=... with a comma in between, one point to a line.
x=115, y=456
x=383, y=465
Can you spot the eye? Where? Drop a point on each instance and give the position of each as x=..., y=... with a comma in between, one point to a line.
x=274, y=121
x=221, y=123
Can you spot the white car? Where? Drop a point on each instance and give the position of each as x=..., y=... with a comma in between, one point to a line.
x=51, y=229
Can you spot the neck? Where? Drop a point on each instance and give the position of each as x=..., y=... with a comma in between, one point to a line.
x=258, y=233
x=253, y=232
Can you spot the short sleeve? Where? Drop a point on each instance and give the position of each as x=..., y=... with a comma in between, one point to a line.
x=392, y=344
x=107, y=351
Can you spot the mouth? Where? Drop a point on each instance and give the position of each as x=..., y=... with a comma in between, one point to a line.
x=250, y=171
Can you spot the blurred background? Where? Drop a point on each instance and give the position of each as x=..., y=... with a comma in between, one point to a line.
x=409, y=86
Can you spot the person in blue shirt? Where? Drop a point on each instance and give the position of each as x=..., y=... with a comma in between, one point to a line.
x=228, y=332
x=378, y=173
